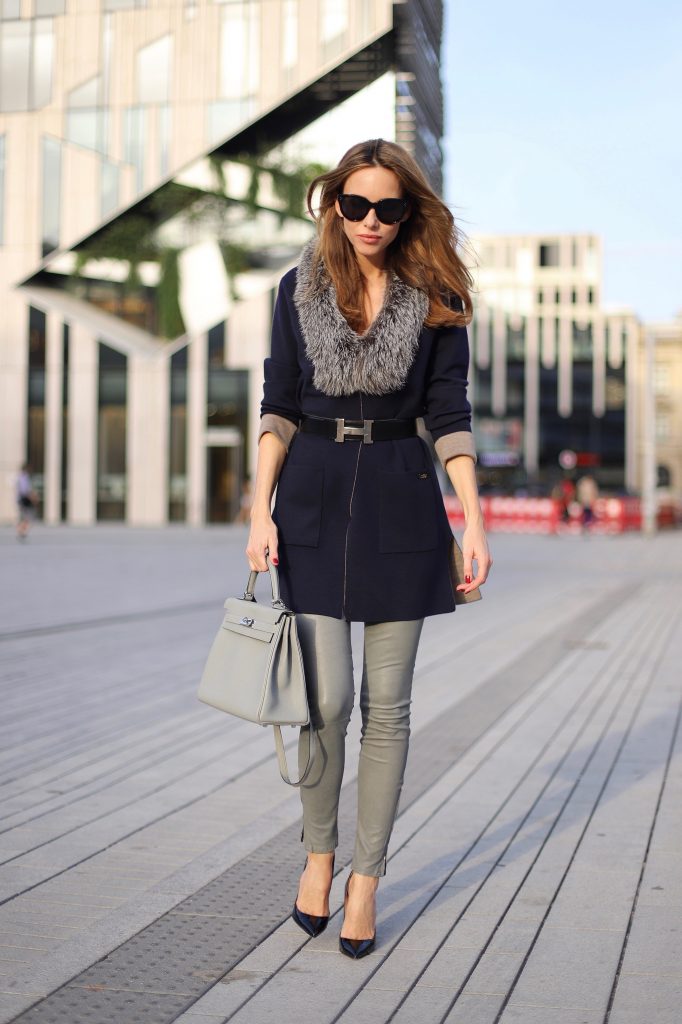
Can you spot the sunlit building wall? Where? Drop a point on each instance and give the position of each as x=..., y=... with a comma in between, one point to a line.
x=131, y=381
x=552, y=370
x=667, y=402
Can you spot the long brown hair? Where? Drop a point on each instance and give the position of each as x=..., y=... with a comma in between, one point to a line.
x=424, y=253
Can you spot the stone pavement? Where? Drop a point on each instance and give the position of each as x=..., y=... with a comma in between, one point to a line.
x=149, y=853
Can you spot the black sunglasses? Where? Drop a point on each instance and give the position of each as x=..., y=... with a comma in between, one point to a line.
x=388, y=211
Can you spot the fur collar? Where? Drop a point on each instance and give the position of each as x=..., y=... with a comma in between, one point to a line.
x=345, y=362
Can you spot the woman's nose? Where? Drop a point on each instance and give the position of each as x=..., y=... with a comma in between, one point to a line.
x=371, y=220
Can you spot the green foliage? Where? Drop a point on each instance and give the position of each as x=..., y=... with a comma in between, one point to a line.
x=171, y=323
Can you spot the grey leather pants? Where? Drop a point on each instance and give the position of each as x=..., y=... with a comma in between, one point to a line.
x=390, y=650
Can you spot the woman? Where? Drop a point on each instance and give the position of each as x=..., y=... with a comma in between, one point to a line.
x=368, y=334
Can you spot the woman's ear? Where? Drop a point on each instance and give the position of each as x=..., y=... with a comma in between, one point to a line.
x=338, y=208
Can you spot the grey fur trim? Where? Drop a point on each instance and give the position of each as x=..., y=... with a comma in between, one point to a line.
x=345, y=362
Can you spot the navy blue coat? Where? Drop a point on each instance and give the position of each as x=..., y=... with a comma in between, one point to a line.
x=362, y=528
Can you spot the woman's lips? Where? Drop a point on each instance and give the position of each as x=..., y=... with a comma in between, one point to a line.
x=370, y=238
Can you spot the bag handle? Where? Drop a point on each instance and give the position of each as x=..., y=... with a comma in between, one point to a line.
x=282, y=757
x=277, y=601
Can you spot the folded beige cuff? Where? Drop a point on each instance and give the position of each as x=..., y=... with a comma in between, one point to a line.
x=460, y=442
x=279, y=425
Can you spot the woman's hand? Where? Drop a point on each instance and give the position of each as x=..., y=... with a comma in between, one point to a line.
x=475, y=548
x=460, y=469
x=262, y=539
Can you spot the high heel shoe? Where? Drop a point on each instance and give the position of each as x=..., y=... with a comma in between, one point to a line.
x=355, y=948
x=313, y=924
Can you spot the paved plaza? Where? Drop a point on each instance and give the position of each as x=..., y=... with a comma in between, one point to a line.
x=149, y=853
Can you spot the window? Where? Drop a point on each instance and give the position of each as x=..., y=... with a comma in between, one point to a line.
x=10, y=9
x=557, y=296
x=111, y=434
x=590, y=296
x=154, y=71
x=49, y=7
x=85, y=117
x=26, y=49
x=662, y=426
x=549, y=254
x=661, y=378
x=240, y=51
x=109, y=184
x=574, y=296
x=540, y=297
x=51, y=193
x=164, y=138
x=121, y=5
x=133, y=141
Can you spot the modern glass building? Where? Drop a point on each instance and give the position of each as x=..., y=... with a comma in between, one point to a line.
x=153, y=164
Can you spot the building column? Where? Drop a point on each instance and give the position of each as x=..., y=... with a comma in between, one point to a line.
x=13, y=398
x=531, y=398
x=54, y=372
x=196, y=429
x=631, y=411
x=499, y=372
x=82, y=439
x=147, y=432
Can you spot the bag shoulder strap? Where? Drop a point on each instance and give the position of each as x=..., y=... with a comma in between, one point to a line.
x=282, y=757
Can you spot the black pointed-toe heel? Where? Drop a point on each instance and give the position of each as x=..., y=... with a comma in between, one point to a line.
x=312, y=924
x=355, y=948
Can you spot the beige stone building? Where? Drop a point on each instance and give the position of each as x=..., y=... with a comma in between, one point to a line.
x=153, y=158
x=667, y=397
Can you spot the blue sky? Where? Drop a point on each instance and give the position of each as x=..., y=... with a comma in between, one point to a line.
x=568, y=117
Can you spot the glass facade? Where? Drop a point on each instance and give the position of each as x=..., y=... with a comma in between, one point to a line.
x=133, y=141
x=177, y=440
x=111, y=433
x=35, y=427
x=26, y=56
x=51, y=193
x=86, y=120
x=65, y=423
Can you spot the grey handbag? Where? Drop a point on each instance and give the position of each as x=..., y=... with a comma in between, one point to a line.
x=255, y=668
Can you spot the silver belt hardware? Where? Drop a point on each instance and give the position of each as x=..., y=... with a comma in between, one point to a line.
x=246, y=621
x=342, y=430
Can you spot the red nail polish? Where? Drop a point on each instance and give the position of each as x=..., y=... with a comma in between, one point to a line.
x=467, y=579
x=275, y=561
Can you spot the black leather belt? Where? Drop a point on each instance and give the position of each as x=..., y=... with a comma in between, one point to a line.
x=367, y=431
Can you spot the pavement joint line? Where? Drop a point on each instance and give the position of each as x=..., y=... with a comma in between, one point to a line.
x=423, y=824
x=105, y=814
x=623, y=593
x=666, y=631
x=107, y=620
x=216, y=733
x=635, y=902
x=198, y=727
x=614, y=676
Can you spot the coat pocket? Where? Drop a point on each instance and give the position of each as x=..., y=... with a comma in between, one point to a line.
x=408, y=519
x=298, y=505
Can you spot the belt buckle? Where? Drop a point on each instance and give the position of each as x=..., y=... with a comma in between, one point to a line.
x=342, y=430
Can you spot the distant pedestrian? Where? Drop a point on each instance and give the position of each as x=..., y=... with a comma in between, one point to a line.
x=27, y=500
x=587, y=493
x=244, y=513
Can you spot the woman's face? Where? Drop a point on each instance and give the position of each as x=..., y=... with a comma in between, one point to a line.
x=369, y=237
